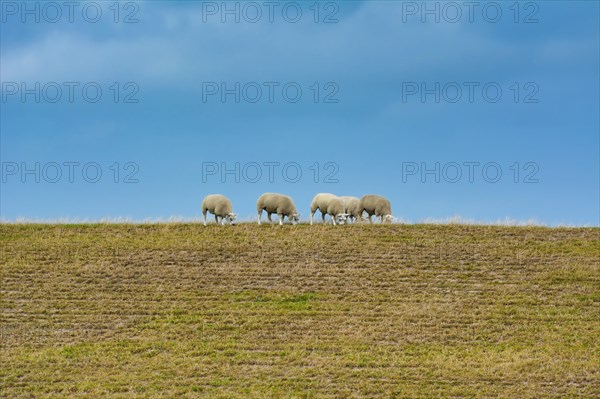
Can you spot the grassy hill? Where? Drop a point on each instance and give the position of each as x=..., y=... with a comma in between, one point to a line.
x=183, y=311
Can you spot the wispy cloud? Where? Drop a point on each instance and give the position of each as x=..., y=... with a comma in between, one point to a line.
x=175, y=49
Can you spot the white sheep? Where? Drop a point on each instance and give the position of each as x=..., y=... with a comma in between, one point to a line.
x=378, y=206
x=351, y=205
x=220, y=206
x=280, y=204
x=328, y=204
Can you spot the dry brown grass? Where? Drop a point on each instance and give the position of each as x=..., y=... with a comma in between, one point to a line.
x=180, y=310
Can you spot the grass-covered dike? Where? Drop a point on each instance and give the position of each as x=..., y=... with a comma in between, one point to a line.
x=392, y=311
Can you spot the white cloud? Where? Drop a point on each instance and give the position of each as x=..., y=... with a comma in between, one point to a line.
x=173, y=48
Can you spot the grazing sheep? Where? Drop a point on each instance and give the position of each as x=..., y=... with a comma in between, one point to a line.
x=378, y=206
x=220, y=206
x=280, y=204
x=329, y=204
x=351, y=205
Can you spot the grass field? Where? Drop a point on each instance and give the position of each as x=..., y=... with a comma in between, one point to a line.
x=413, y=311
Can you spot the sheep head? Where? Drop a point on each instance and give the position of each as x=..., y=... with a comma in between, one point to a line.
x=342, y=217
x=231, y=218
x=294, y=218
x=388, y=219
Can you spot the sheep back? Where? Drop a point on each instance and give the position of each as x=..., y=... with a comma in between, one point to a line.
x=375, y=205
x=217, y=204
x=351, y=206
x=321, y=202
x=276, y=203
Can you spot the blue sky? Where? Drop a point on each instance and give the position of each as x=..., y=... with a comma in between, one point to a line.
x=370, y=136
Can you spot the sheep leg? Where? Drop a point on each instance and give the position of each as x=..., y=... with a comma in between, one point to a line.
x=370, y=220
x=311, y=217
x=259, y=215
x=269, y=217
x=280, y=219
x=332, y=217
x=204, y=213
x=323, y=217
x=217, y=219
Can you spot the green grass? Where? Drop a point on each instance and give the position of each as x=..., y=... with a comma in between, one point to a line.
x=186, y=311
